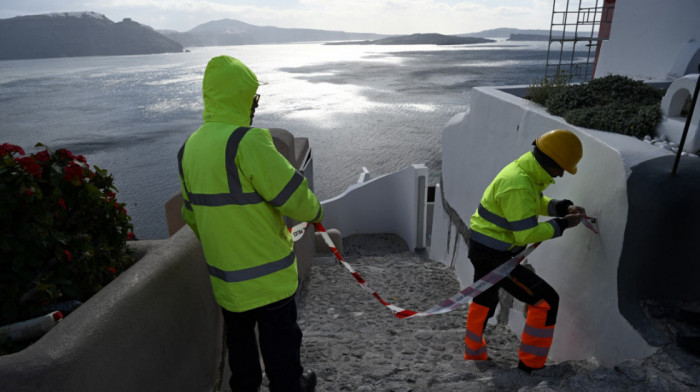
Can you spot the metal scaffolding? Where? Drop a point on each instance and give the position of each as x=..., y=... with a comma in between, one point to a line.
x=574, y=37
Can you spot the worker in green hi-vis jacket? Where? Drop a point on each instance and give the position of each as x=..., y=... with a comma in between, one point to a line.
x=504, y=223
x=236, y=188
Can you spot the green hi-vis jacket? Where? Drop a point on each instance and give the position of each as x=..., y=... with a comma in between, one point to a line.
x=507, y=217
x=236, y=188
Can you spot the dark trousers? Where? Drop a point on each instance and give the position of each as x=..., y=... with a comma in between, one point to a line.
x=522, y=283
x=280, y=344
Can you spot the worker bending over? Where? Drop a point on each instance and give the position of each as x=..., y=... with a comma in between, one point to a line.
x=502, y=226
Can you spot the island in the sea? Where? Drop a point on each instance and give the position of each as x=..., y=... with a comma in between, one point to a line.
x=419, y=39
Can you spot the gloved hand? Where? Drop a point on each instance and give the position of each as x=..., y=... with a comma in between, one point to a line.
x=573, y=220
x=572, y=209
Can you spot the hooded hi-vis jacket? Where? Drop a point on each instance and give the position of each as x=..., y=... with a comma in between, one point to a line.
x=507, y=217
x=236, y=189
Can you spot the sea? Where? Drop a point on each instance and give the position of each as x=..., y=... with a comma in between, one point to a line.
x=377, y=107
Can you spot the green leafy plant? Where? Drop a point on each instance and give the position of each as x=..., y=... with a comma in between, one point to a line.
x=613, y=103
x=62, y=232
x=541, y=89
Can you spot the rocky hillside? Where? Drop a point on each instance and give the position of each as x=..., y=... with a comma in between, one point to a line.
x=78, y=34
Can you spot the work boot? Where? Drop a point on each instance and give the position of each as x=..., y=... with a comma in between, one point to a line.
x=522, y=366
x=308, y=381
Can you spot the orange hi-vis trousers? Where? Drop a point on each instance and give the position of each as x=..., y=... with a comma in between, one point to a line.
x=474, y=343
x=524, y=285
x=537, y=336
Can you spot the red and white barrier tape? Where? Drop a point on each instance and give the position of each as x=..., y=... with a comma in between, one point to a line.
x=444, y=306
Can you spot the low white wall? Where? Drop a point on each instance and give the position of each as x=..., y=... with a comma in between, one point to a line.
x=155, y=328
x=582, y=266
x=393, y=203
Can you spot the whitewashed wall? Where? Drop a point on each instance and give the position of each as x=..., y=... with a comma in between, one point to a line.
x=393, y=203
x=652, y=40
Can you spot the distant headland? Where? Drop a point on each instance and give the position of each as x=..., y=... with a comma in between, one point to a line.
x=420, y=39
x=71, y=34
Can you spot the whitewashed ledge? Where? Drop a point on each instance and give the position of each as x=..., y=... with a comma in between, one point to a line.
x=646, y=219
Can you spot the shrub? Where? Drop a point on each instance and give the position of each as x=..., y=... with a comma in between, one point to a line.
x=612, y=103
x=626, y=119
x=541, y=89
x=62, y=231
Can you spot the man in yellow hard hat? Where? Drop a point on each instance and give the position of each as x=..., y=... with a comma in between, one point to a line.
x=236, y=188
x=502, y=226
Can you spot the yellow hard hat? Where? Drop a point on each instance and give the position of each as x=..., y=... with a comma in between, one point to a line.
x=563, y=147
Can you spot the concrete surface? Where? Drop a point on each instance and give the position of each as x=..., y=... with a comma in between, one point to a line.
x=354, y=343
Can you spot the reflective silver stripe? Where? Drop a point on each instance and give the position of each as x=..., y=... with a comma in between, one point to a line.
x=474, y=352
x=180, y=152
x=524, y=224
x=539, y=332
x=224, y=199
x=489, y=241
x=474, y=337
x=253, y=272
x=534, y=350
x=555, y=225
x=503, y=223
x=234, y=182
x=493, y=218
x=288, y=190
x=235, y=195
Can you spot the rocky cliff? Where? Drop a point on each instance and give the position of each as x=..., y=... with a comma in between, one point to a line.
x=78, y=34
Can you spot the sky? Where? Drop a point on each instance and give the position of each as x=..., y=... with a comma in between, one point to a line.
x=362, y=16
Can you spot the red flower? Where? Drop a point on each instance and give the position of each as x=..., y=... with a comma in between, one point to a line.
x=30, y=165
x=73, y=173
x=65, y=154
x=29, y=192
x=62, y=203
x=119, y=207
x=9, y=148
x=42, y=156
x=112, y=270
x=68, y=255
x=130, y=235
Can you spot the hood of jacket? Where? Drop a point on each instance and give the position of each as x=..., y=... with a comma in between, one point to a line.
x=528, y=163
x=228, y=89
